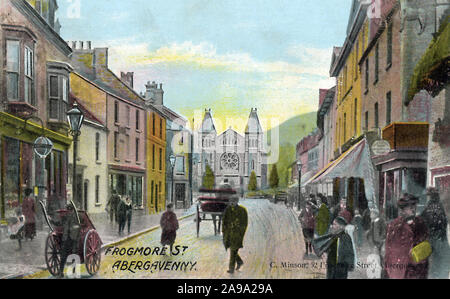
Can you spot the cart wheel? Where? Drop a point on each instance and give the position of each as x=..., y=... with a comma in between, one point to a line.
x=198, y=222
x=92, y=251
x=52, y=255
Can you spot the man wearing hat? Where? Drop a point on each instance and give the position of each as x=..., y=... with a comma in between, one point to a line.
x=235, y=220
x=403, y=236
x=340, y=255
x=307, y=220
x=436, y=220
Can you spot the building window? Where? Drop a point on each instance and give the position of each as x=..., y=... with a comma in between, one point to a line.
x=97, y=146
x=116, y=141
x=179, y=165
x=137, y=119
x=153, y=156
x=97, y=189
x=388, y=108
x=355, y=118
x=137, y=149
x=127, y=138
x=366, y=81
x=58, y=96
x=29, y=76
x=160, y=158
x=376, y=115
x=377, y=58
x=345, y=127
x=128, y=116
x=366, y=124
x=116, y=111
x=153, y=124
x=389, y=45
x=160, y=128
x=12, y=68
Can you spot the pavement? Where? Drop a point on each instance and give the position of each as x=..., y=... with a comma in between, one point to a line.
x=30, y=258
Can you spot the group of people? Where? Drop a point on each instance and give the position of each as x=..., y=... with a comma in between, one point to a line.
x=120, y=210
x=415, y=246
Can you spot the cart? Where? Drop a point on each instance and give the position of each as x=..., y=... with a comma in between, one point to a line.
x=89, y=243
x=214, y=204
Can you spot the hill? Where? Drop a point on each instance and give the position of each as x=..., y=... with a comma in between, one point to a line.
x=290, y=133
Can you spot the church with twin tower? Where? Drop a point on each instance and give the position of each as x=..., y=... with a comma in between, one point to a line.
x=231, y=155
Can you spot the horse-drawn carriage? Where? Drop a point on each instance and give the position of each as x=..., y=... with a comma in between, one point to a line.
x=88, y=245
x=213, y=203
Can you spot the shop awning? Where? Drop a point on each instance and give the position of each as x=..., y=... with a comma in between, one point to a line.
x=356, y=163
x=305, y=178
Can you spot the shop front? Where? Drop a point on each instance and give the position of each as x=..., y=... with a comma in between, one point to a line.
x=404, y=168
x=128, y=183
x=22, y=168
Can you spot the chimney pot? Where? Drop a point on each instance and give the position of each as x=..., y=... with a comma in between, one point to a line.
x=89, y=44
x=74, y=45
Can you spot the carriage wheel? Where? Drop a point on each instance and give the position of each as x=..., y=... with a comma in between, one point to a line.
x=52, y=255
x=198, y=221
x=92, y=252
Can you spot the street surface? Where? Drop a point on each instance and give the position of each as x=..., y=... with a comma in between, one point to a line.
x=273, y=249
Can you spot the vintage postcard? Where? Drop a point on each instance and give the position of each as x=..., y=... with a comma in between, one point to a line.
x=220, y=140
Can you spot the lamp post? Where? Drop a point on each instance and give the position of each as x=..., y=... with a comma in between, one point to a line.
x=172, y=163
x=75, y=118
x=299, y=168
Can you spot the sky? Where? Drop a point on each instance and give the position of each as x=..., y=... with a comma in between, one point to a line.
x=227, y=55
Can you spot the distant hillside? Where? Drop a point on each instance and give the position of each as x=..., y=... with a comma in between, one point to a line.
x=290, y=133
x=295, y=128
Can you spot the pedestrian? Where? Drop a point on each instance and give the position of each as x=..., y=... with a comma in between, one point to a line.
x=307, y=221
x=376, y=237
x=235, y=221
x=359, y=230
x=406, y=242
x=323, y=218
x=71, y=232
x=169, y=226
x=111, y=206
x=340, y=255
x=129, y=212
x=29, y=211
x=436, y=221
x=121, y=214
x=343, y=210
x=16, y=227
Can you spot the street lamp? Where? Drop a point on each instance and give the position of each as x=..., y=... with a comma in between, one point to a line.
x=172, y=163
x=75, y=118
x=299, y=168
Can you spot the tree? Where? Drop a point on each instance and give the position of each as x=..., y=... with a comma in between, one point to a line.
x=208, y=178
x=273, y=177
x=252, y=184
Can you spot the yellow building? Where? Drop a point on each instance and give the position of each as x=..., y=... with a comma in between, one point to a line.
x=346, y=70
x=156, y=161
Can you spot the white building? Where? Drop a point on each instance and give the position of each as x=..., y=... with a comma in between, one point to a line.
x=230, y=155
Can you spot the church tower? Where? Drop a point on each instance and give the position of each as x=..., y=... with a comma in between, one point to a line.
x=207, y=137
x=255, y=154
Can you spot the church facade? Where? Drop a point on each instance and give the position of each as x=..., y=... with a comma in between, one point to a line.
x=231, y=155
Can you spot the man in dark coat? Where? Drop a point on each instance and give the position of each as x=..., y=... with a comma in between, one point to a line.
x=121, y=214
x=112, y=204
x=436, y=221
x=235, y=220
x=29, y=211
x=340, y=255
x=169, y=226
x=403, y=234
x=323, y=218
x=71, y=231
